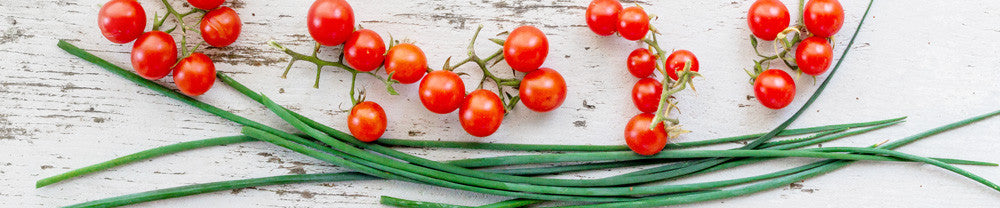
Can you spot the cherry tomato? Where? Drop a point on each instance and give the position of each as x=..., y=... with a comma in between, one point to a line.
x=646, y=94
x=221, y=27
x=641, y=63
x=442, y=91
x=206, y=4
x=677, y=59
x=195, y=74
x=121, y=21
x=330, y=21
x=774, y=89
x=542, y=90
x=602, y=16
x=481, y=113
x=153, y=55
x=823, y=18
x=814, y=55
x=526, y=48
x=364, y=50
x=633, y=23
x=767, y=18
x=367, y=121
x=406, y=62
x=643, y=140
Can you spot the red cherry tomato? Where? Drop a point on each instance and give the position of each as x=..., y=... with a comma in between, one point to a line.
x=330, y=21
x=367, y=121
x=602, y=16
x=643, y=140
x=633, y=23
x=221, y=27
x=195, y=74
x=646, y=94
x=543, y=90
x=641, y=63
x=121, y=21
x=774, y=89
x=675, y=62
x=442, y=91
x=823, y=18
x=526, y=48
x=364, y=50
x=767, y=18
x=206, y=4
x=153, y=55
x=481, y=113
x=814, y=55
x=406, y=62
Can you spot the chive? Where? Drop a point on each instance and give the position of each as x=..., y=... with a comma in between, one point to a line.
x=392, y=201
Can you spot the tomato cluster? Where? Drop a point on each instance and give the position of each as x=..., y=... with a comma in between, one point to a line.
x=154, y=53
x=769, y=20
x=605, y=17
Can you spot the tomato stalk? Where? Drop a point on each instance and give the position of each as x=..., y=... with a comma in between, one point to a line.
x=320, y=63
x=667, y=102
x=180, y=23
x=507, y=99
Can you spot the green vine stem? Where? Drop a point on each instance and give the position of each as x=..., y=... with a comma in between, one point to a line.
x=180, y=23
x=507, y=99
x=320, y=63
x=670, y=87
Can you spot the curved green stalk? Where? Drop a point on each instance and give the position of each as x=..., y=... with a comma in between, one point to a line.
x=397, y=202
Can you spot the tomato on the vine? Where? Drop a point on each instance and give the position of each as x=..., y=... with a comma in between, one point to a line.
x=481, y=113
x=542, y=90
x=823, y=18
x=643, y=140
x=633, y=23
x=364, y=50
x=195, y=74
x=153, y=55
x=121, y=21
x=220, y=27
x=814, y=55
x=767, y=18
x=526, y=48
x=774, y=89
x=641, y=63
x=442, y=91
x=675, y=62
x=367, y=121
x=406, y=62
x=330, y=21
x=646, y=94
x=205, y=4
x=602, y=16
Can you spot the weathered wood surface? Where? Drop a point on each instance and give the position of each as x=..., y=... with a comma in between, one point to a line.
x=935, y=61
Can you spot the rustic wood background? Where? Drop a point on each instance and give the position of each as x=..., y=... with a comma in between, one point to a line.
x=935, y=61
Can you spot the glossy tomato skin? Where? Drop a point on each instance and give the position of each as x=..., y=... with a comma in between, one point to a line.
x=823, y=18
x=121, y=21
x=646, y=94
x=633, y=23
x=330, y=21
x=774, y=89
x=542, y=90
x=526, y=48
x=814, y=55
x=481, y=113
x=643, y=140
x=206, y=4
x=367, y=121
x=195, y=74
x=364, y=50
x=406, y=62
x=154, y=54
x=641, y=63
x=675, y=62
x=442, y=91
x=767, y=18
x=221, y=27
x=602, y=16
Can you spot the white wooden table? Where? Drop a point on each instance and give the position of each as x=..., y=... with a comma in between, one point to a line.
x=935, y=61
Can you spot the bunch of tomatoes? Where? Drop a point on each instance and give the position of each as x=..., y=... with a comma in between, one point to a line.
x=154, y=53
x=331, y=23
x=769, y=21
x=645, y=133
